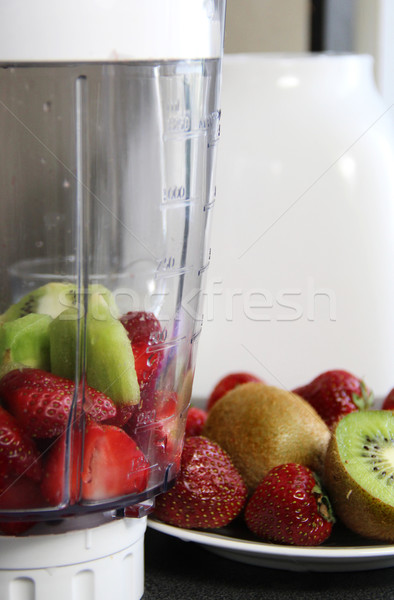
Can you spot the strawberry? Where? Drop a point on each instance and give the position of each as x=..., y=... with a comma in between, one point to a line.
x=227, y=383
x=388, y=403
x=334, y=394
x=18, y=453
x=144, y=332
x=156, y=427
x=112, y=466
x=22, y=494
x=289, y=507
x=209, y=491
x=41, y=401
x=195, y=421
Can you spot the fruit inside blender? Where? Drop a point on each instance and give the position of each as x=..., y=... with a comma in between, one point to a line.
x=85, y=423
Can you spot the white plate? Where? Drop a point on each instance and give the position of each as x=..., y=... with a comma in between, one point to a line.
x=350, y=553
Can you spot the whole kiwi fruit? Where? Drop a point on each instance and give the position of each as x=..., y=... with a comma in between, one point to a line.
x=262, y=426
x=359, y=473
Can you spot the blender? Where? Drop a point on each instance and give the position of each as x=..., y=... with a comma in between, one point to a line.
x=109, y=124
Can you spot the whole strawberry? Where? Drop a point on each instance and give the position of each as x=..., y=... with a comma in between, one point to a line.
x=209, y=491
x=388, y=403
x=336, y=393
x=289, y=507
x=41, y=401
x=227, y=383
x=195, y=421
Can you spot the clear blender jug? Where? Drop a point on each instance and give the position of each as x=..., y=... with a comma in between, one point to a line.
x=109, y=120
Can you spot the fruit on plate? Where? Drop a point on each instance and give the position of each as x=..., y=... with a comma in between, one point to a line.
x=41, y=401
x=26, y=341
x=109, y=357
x=209, y=491
x=289, y=507
x=388, y=402
x=227, y=383
x=262, y=426
x=359, y=473
x=144, y=332
x=18, y=453
x=112, y=466
x=195, y=421
x=336, y=393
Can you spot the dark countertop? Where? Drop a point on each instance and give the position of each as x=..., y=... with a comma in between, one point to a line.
x=177, y=570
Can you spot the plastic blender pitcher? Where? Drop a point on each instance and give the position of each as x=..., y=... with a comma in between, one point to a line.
x=109, y=120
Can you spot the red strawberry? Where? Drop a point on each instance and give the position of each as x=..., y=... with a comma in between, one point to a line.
x=334, y=394
x=41, y=401
x=288, y=507
x=113, y=466
x=156, y=427
x=195, y=421
x=22, y=494
x=18, y=453
x=227, y=383
x=209, y=491
x=144, y=332
x=388, y=403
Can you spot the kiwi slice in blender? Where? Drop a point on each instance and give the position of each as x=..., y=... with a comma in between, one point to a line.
x=26, y=341
x=359, y=473
x=53, y=298
x=109, y=355
x=50, y=299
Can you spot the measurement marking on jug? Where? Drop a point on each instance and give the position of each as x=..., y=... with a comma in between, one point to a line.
x=167, y=344
x=186, y=135
x=167, y=268
x=173, y=272
x=174, y=192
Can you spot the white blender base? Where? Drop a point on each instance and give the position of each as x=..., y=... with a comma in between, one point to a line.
x=94, y=563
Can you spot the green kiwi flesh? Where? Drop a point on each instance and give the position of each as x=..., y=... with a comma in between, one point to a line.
x=50, y=299
x=55, y=297
x=26, y=341
x=359, y=473
x=109, y=356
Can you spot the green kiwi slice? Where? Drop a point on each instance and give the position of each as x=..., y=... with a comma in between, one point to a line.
x=26, y=341
x=109, y=355
x=359, y=473
x=53, y=298
x=50, y=299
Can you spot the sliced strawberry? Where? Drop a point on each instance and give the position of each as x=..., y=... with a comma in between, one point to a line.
x=144, y=332
x=18, y=453
x=156, y=428
x=41, y=401
x=113, y=466
x=21, y=494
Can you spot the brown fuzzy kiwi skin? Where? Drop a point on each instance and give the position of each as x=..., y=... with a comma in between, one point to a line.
x=262, y=426
x=357, y=509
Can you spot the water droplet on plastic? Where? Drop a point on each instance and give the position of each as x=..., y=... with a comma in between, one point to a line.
x=39, y=244
x=66, y=184
x=46, y=107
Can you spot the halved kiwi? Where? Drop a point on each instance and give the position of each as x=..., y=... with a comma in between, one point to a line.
x=359, y=473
